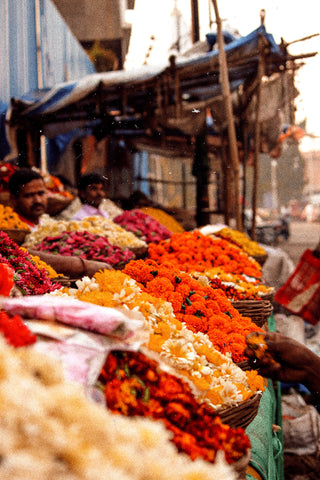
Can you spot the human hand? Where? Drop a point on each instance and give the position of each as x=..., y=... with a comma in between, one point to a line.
x=281, y=358
x=93, y=266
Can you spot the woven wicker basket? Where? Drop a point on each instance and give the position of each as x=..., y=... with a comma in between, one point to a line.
x=240, y=415
x=140, y=252
x=57, y=203
x=268, y=296
x=64, y=281
x=258, y=310
x=17, y=234
x=244, y=365
x=261, y=259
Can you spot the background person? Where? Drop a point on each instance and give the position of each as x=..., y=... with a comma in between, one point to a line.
x=91, y=191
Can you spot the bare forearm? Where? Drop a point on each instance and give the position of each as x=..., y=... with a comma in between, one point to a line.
x=66, y=265
x=74, y=267
x=312, y=377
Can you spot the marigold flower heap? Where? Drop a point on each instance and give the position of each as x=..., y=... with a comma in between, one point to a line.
x=27, y=276
x=164, y=218
x=242, y=240
x=9, y=219
x=194, y=251
x=214, y=378
x=135, y=385
x=201, y=307
x=236, y=287
x=143, y=225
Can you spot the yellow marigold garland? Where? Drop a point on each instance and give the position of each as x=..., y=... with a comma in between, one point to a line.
x=164, y=218
x=242, y=240
x=9, y=219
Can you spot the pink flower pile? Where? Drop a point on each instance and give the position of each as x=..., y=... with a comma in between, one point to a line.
x=86, y=245
x=143, y=226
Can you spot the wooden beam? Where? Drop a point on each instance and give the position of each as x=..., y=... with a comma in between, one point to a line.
x=233, y=147
x=257, y=140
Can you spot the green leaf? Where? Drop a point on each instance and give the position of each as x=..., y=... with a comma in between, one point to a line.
x=146, y=395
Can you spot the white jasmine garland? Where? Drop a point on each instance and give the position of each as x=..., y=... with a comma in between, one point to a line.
x=50, y=429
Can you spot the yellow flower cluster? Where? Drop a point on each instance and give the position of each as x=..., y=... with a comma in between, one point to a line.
x=164, y=218
x=9, y=219
x=242, y=240
x=214, y=378
x=96, y=225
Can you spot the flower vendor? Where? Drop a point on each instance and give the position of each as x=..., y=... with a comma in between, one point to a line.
x=28, y=195
x=92, y=190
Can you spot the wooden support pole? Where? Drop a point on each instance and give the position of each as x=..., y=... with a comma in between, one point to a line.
x=224, y=80
x=257, y=141
x=195, y=21
x=176, y=86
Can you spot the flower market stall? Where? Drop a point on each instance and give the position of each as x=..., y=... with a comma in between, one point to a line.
x=155, y=345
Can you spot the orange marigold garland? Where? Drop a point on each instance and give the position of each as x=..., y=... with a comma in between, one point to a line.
x=193, y=251
x=202, y=308
x=236, y=287
x=214, y=377
x=134, y=384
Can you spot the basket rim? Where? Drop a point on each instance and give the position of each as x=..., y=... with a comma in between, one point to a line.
x=15, y=230
x=241, y=415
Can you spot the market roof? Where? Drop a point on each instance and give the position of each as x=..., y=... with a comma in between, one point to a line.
x=166, y=95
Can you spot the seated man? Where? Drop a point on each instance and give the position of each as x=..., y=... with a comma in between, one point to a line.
x=92, y=190
x=29, y=198
x=28, y=195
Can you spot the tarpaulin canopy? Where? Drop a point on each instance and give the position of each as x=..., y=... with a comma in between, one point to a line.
x=166, y=95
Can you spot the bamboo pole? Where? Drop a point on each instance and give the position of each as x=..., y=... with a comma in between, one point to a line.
x=224, y=80
x=257, y=140
x=43, y=148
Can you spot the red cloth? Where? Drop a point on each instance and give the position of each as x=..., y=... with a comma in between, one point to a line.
x=23, y=219
x=301, y=292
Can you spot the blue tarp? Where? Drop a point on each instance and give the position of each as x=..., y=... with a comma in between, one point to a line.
x=242, y=55
x=94, y=99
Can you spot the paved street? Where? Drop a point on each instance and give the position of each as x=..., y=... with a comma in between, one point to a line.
x=303, y=235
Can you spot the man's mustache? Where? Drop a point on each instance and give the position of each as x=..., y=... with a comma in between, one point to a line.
x=36, y=205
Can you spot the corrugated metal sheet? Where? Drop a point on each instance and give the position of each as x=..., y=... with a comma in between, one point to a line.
x=63, y=58
x=18, y=48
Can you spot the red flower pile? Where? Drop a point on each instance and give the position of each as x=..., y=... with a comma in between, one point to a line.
x=29, y=279
x=143, y=226
x=15, y=331
x=202, y=308
x=85, y=245
x=135, y=385
x=6, y=279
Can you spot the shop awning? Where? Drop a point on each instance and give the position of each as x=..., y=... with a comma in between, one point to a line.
x=160, y=92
